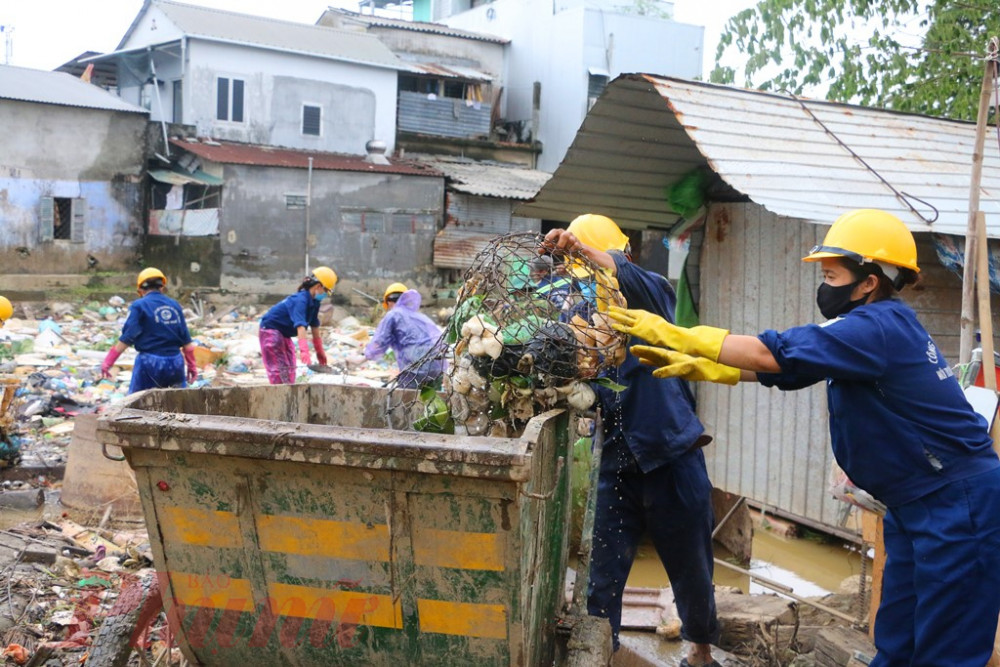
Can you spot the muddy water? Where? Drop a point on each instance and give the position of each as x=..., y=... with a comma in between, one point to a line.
x=12, y=517
x=809, y=567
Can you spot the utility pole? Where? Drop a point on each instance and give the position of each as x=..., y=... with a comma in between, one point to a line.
x=966, y=331
x=309, y=190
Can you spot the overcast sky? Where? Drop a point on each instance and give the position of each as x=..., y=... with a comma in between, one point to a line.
x=47, y=33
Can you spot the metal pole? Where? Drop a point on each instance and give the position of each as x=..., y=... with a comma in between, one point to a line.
x=309, y=190
x=969, y=269
x=785, y=590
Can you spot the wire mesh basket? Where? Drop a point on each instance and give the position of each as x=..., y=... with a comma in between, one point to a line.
x=529, y=333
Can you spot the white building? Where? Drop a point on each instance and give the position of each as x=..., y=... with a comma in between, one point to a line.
x=257, y=80
x=571, y=50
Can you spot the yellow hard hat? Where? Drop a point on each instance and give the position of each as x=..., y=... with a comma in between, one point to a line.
x=147, y=274
x=395, y=288
x=598, y=231
x=6, y=309
x=868, y=235
x=326, y=275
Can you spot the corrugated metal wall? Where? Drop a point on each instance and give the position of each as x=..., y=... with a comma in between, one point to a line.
x=472, y=223
x=774, y=446
x=770, y=446
x=441, y=117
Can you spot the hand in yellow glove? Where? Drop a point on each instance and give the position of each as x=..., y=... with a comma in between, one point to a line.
x=671, y=364
x=700, y=341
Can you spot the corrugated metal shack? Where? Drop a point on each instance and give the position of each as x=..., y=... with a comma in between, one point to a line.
x=779, y=170
x=481, y=202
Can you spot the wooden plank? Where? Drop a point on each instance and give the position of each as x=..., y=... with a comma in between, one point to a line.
x=872, y=533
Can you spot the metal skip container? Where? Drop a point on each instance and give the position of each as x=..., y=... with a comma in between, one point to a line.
x=291, y=525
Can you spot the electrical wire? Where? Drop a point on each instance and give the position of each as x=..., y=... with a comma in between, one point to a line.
x=903, y=197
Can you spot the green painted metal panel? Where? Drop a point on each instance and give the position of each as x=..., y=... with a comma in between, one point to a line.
x=291, y=526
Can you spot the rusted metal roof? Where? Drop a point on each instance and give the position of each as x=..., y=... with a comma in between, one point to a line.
x=486, y=179
x=235, y=28
x=807, y=159
x=226, y=152
x=33, y=85
x=448, y=71
x=455, y=248
x=418, y=26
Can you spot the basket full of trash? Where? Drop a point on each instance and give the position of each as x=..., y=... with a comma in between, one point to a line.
x=529, y=333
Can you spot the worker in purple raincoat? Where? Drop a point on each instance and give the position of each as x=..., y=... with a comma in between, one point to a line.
x=410, y=335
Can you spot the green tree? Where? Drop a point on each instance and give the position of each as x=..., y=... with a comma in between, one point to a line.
x=921, y=56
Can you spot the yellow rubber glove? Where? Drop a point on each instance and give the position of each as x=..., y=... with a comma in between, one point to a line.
x=671, y=364
x=700, y=341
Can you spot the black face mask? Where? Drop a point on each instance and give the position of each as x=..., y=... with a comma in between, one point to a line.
x=836, y=301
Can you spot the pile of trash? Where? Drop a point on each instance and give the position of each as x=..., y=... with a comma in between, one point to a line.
x=50, y=367
x=60, y=586
x=529, y=333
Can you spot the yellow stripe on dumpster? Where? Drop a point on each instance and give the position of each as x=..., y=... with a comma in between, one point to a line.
x=347, y=607
x=321, y=537
x=458, y=549
x=207, y=528
x=463, y=618
x=214, y=591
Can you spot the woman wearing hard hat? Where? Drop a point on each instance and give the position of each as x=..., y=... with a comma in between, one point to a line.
x=288, y=319
x=410, y=334
x=6, y=310
x=901, y=429
x=156, y=327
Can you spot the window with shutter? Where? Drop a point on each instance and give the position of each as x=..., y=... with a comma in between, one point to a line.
x=78, y=217
x=311, y=119
x=46, y=218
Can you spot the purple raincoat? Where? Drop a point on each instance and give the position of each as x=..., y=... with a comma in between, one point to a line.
x=411, y=335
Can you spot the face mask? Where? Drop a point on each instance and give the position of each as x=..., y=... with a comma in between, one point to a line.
x=836, y=301
x=321, y=296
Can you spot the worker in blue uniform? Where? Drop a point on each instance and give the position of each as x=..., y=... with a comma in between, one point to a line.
x=652, y=477
x=550, y=281
x=156, y=327
x=288, y=320
x=900, y=427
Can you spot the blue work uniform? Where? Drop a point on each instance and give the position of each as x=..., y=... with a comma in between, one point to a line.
x=652, y=479
x=554, y=289
x=155, y=326
x=297, y=310
x=903, y=431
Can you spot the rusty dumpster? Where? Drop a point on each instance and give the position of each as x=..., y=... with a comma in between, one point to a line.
x=291, y=525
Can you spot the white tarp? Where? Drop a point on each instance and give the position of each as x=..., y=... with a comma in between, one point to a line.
x=195, y=222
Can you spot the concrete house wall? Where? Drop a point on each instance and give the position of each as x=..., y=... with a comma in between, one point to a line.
x=561, y=50
x=358, y=101
x=372, y=228
x=69, y=152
